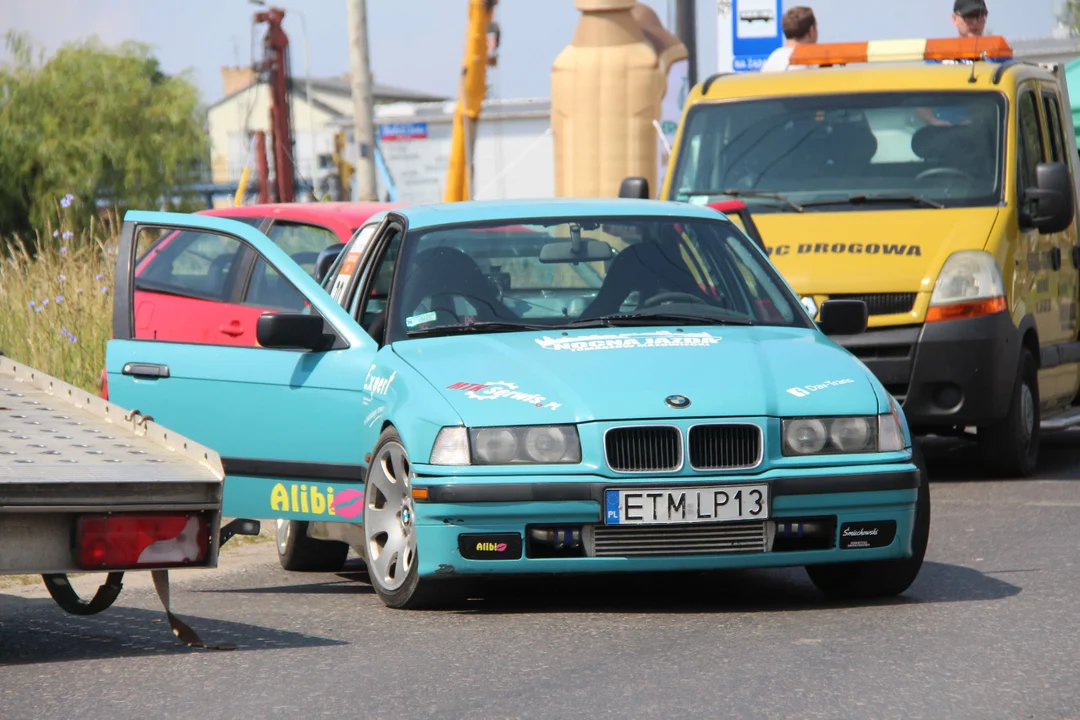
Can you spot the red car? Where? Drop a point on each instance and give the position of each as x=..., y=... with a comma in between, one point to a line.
x=194, y=284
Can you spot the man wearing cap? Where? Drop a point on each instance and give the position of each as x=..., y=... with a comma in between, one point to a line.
x=969, y=17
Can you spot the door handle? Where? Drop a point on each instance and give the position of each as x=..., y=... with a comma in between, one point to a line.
x=1055, y=258
x=233, y=328
x=146, y=370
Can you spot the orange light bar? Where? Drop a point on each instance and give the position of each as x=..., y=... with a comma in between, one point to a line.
x=963, y=311
x=419, y=493
x=993, y=47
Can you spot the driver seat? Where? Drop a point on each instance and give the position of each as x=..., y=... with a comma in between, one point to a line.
x=440, y=273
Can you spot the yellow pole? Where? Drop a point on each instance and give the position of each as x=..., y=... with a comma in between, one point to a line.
x=470, y=97
x=241, y=188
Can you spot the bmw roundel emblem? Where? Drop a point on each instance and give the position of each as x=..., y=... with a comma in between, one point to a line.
x=677, y=401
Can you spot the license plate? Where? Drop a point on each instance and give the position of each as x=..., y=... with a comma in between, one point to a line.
x=669, y=506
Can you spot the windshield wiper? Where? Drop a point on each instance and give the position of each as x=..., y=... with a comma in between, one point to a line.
x=478, y=327
x=737, y=192
x=648, y=318
x=867, y=199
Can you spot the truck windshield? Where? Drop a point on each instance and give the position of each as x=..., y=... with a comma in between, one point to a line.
x=845, y=152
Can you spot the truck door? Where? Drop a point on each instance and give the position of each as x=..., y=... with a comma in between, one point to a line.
x=1065, y=258
x=287, y=422
x=1040, y=292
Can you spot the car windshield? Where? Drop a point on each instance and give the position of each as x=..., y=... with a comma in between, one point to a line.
x=854, y=151
x=580, y=272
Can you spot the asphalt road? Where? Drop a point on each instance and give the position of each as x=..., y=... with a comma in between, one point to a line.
x=988, y=630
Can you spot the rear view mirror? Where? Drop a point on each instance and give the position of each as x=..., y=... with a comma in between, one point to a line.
x=843, y=317
x=292, y=331
x=634, y=187
x=1053, y=197
x=587, y=251
x=326, y=259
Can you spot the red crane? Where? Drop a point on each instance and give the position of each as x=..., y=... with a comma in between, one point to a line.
x=276, y=65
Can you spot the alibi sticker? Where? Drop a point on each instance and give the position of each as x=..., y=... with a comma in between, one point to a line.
x=420, y=319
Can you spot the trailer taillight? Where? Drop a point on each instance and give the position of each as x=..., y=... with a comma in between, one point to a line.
x=121, y=541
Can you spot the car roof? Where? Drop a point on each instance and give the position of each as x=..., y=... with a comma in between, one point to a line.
x=343, y=217
x=517, y=211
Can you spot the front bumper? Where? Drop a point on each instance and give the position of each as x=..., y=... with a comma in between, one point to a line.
x=556, y=525
x=945, y=374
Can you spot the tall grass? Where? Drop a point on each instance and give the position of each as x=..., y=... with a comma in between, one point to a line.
x=56, y=303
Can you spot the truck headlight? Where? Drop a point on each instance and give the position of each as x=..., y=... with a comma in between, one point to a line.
x=821, y=436
x=526, y=444
x=969, y=285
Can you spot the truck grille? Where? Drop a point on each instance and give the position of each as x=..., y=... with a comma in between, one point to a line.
x=725, y=447
x=740, y=537
x=648, y=448
x=883, y=303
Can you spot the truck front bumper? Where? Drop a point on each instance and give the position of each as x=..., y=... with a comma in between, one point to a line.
x=502, y=525
x=945, y=374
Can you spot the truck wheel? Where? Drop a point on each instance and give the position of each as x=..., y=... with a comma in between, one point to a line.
x=390, y=546
x=300, y=553
x=1010, y=448
x=881, y=578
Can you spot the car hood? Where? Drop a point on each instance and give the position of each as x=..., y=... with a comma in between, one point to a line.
x=870, y=251
x=626, y=373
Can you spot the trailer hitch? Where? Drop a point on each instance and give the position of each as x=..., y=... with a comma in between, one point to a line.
x=239, y=526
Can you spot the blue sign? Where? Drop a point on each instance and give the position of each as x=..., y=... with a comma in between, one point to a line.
x=755, y=32
x=403, y=131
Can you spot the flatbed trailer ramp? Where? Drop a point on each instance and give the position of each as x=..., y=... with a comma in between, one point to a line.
x=88, y=487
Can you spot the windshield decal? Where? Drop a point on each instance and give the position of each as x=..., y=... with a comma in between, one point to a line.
x=846, y=248
x=422, y=319
x=627, y=340
x=497, y=389
x=807, y=389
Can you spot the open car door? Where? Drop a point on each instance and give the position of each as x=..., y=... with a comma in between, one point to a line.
x=286, y=414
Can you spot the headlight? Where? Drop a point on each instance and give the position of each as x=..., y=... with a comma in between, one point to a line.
x=529, y=444
x=820, y=436
x=966, y=276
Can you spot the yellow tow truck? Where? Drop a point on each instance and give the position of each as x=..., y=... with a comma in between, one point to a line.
x=936, y=181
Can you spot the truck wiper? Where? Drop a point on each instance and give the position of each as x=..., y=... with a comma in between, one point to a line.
x=648, y=318
x=867, y=199
x=478, y=327
x=750, y=193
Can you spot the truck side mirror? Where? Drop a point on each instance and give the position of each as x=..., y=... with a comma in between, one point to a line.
x=1053, y=196
x=843, y=317
x=634, y=187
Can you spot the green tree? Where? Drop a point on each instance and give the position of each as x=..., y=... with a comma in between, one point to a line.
x=1069, y=15
x=93, y=123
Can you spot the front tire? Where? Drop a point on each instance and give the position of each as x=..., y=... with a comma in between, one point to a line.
x=299, y=553
x=390, y=546
x=1010, y=448
x=881, y=578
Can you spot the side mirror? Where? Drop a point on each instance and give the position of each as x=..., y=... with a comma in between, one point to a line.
x=843, y=317
x=291, y=330
x=326, y=259
x=634, y=187
x=1054, y=199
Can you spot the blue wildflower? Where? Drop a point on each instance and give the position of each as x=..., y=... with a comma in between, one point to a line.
x=67, y=236
x=56, y=233
x=66, y=200
x=63, y=249
x=44, y=302
x=32, y=303
x=72, y=338
x=104, y=289
x=59, y=298
x=98, y=277
x=62, y=278
x=38, y=309
x=79, y=291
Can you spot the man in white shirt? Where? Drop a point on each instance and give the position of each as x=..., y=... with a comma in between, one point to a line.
x=800, y=28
